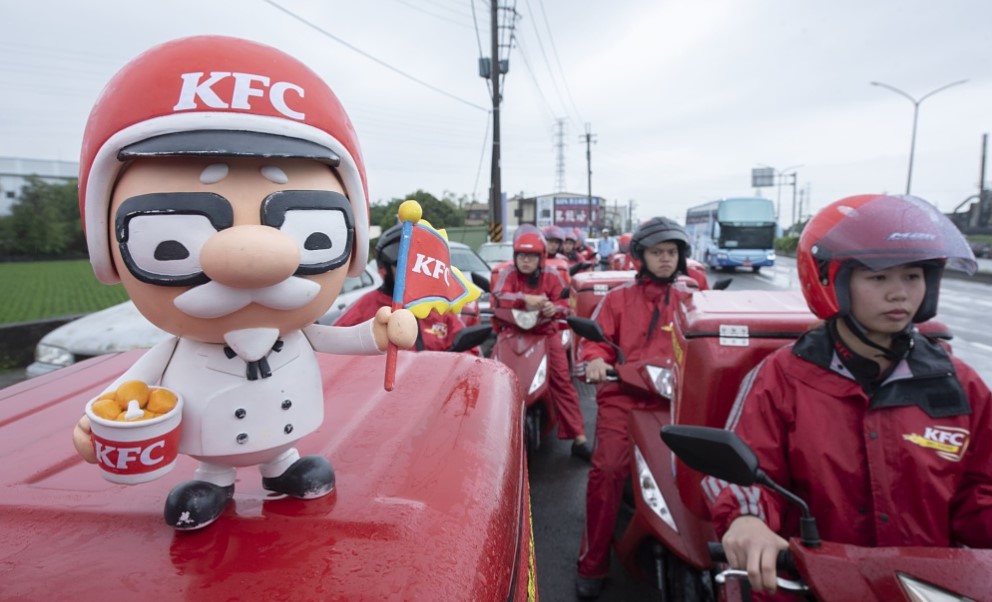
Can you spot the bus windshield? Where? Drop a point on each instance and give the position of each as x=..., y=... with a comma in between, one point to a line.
x=746, y=211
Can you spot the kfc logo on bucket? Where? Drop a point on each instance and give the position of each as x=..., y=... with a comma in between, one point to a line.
x=138, y=451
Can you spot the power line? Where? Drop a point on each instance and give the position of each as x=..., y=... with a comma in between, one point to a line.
x=435, y=15
x=478, y=39
x=458, y=11
x=372, y=58
x=530, y=71
x=547, y=63
x=482, y=157
x=554, y=51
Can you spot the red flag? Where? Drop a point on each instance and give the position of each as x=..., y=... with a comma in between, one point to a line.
x=425, y=278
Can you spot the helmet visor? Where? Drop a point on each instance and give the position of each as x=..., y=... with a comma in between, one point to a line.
x=888, y=231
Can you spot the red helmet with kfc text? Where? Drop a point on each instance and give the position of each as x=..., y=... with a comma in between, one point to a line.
x=877, y=232
x=214, y=96
x=528, y=239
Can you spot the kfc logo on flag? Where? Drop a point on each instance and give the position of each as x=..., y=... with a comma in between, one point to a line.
x=425, y=278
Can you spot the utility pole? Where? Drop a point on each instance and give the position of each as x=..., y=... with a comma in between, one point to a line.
x=793, y=174
x=495, y=189
x=589, y=138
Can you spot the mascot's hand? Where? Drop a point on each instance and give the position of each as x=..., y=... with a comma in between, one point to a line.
x=398, y=327
x=81, y=439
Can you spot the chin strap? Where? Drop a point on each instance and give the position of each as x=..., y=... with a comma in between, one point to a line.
x=902, y=341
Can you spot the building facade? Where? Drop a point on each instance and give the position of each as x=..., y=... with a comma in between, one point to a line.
x=569, y=210
x=14, y=174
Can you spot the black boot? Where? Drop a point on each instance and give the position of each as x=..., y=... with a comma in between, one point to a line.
x=309, y=477
x=196, y=504
x=583, y=450
x=588, y=588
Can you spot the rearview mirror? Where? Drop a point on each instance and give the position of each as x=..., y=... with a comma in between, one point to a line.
x=712, y=451
x=586, y=328
x=480, y=281
x=470, y=336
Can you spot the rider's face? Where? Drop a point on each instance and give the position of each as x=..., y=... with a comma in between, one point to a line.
x=527, y=263
x=662, y=259
x=884, y=302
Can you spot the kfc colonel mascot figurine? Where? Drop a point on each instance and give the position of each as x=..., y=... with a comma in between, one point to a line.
x=222, y=183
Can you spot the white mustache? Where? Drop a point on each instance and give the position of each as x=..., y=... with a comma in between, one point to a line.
x=213, y=300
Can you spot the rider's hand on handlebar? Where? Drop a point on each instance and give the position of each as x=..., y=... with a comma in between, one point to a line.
x=596, y=370
x=548, y=309
x=751, y=545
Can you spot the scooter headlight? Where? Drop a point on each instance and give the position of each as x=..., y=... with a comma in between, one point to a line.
x=661, y=378
x=539, y=376
x=919, y=591
x=525, y=319
x=650, y=492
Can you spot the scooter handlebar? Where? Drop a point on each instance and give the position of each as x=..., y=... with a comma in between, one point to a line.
x=784, y=560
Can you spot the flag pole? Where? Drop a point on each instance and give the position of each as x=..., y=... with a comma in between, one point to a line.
x=409, y=213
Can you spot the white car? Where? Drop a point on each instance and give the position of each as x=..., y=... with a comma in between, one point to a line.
x=122, y=328
x=494, y=253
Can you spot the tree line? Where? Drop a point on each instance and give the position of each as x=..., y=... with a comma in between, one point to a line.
x=45, y=221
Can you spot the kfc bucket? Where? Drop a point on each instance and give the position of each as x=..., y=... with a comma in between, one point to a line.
x=136, y=451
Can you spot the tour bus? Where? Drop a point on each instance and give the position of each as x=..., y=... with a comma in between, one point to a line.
x=733, y=232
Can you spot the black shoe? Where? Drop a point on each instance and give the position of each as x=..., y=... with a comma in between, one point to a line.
x=196, y=504
x=307, y=478
x=588, y=587
x=582, y=450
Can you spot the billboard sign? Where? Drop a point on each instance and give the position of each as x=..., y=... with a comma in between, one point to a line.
x=762, y=177
x=577, y=212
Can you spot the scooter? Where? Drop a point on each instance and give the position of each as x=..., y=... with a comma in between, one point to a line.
x=525, y=353
x=718, y=336
x=649, y=519
x=831, y=571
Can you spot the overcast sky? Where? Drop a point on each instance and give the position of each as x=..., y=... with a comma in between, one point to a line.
x=684, y=97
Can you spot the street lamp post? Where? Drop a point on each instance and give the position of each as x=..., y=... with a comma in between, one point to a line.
x=916, y=114
x=779, y=174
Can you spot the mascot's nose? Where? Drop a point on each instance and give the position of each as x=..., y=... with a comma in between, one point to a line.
x=249, y=257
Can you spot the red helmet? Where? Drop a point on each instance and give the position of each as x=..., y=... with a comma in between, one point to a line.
x=624, y=242
x=877, y=232
x=528, y=239
x=553, y=232
x=571, y=235
x=214, y=96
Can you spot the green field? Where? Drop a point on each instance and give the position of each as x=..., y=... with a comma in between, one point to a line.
x=50, y=289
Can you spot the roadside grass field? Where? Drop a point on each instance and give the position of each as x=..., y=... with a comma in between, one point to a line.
x=49, y=289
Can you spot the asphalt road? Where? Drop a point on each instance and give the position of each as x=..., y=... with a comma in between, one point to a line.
x=558, y=489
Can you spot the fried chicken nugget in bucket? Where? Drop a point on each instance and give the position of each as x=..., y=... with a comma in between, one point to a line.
x=136, y=451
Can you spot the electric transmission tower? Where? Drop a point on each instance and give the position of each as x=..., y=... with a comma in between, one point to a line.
x=560, y=127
